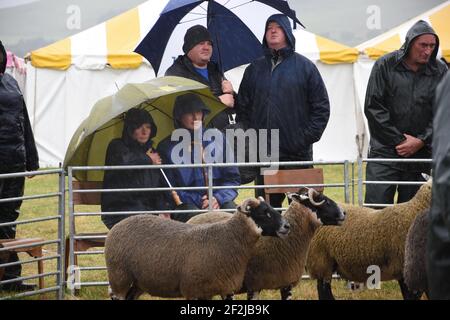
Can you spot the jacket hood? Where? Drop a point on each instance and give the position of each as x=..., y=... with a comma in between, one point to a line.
x=419, y=28
x=188, y=103
x=134, y=118
x=284, y=23
x=3, y=58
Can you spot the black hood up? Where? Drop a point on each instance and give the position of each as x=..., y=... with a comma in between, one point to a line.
x=284, y=23
x=3, y=58
x=134, y=118
x=419, y=28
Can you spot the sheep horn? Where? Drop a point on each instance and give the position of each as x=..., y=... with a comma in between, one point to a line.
x=311, y=193
x=247, y=204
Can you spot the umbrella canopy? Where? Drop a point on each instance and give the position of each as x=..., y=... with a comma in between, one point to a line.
x=105, y=122
x=235, y=29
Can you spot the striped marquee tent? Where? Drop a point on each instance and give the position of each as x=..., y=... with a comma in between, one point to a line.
x=438, y=18
x=112, y=43
x=66, y=78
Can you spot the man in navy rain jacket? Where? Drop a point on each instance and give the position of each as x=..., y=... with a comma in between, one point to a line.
x=284, y=90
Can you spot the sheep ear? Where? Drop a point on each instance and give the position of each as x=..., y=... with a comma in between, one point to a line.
x=426, y=176
x=247, y=204
x=261, y=199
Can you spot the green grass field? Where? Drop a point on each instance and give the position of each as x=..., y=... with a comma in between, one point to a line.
x=48, y=230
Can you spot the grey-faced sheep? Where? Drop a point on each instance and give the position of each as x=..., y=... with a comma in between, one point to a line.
x=168, y=258
x=279, y=263
x=415, y=271
x=367, y=237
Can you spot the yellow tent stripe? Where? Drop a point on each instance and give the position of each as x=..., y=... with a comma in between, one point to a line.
x=441, y=25
x=332, y=52
x=390, y=44
x=122, y=36
x=57, y=55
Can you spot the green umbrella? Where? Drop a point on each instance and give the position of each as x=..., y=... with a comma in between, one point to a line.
x=105, y=122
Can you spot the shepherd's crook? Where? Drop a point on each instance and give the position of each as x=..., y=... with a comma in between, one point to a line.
x=175, y=196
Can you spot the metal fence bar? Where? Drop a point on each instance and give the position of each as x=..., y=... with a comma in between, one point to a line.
x=92, y=268
x=10, y=264
x=33, y=197
x=29, y=173
x=210, y=187
x=395, y=182
x=91, y=284
x=346, y=183
x=32, y=293
x=29, y=245
x=397, y=160
x=360, y=180
x=29, y=221
x=61, y=235
x=200, y=165
x=213, y=188
x=71, y=229
x=88, y=253
x=40, y=275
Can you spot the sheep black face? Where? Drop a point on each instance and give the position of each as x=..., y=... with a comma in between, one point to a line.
x=267, y=218
x=328, y=211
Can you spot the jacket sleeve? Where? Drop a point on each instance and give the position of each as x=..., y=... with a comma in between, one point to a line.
x=32, y=161
x=376, y=111
x=230, y=177
x=320, y=107
x=427, y=134
x=245, y=98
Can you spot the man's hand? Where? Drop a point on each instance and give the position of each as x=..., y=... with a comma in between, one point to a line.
x=227, y=87
x=205, y=203
x=156, y=159
x=409, y=147
x=227, y=99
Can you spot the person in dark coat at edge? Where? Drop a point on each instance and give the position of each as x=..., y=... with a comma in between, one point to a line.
x=438, y=240
x=135, y=147
x=189, y=111
x=398, y=108
x=284, y=90
x=18, y=153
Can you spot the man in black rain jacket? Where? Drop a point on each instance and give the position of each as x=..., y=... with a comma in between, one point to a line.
x=438, y=241
x=398, y=108
x=18, y=153
x=195, y=64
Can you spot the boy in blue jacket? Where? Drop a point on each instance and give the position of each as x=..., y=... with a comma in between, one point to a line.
x=188, y=113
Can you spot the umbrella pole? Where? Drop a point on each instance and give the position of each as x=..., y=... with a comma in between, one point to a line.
x=208, y=22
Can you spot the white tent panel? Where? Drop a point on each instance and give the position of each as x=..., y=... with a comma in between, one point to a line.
x=62, y=99
x=338, y=140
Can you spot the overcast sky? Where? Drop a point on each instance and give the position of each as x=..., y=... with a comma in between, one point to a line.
x=27, y=25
